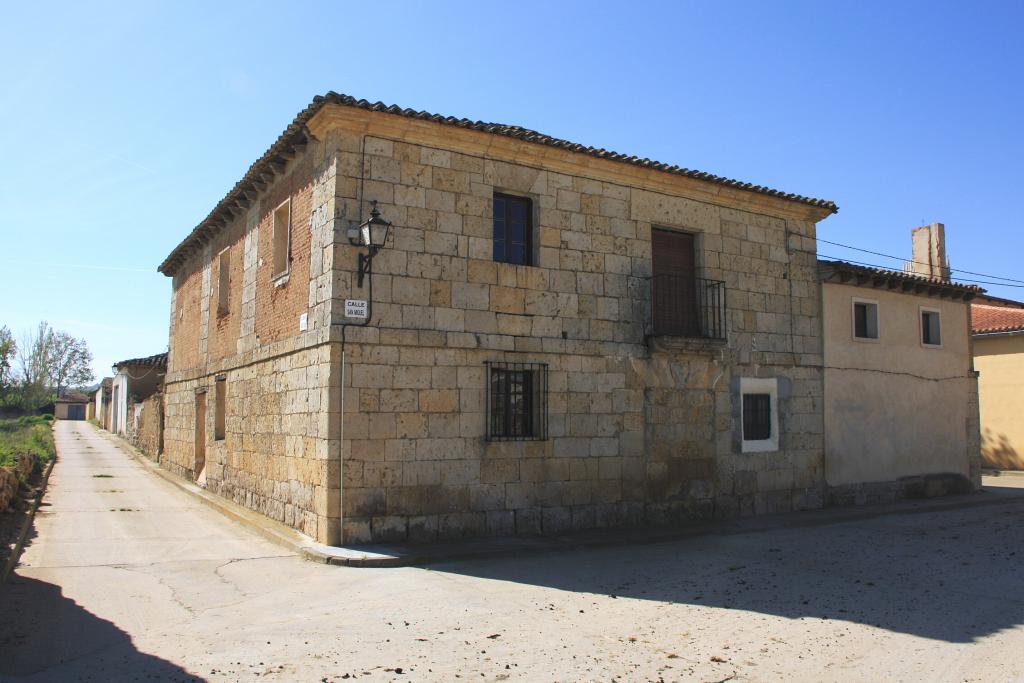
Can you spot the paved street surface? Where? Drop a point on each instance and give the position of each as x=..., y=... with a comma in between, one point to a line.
x=129, y=578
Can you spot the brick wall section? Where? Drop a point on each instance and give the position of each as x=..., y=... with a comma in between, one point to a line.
x=640, y=433
x=185, y=313
x=279, y=304
x=223, y=327
x=274, y=457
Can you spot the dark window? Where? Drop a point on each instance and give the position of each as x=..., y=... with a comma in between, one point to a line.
x=220, y=405
x=930, y=328
x=865, y=320
x=757, y=417
x=513, y=230
x=517, y=401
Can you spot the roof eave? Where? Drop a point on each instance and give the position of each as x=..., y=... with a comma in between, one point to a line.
x=296, y=134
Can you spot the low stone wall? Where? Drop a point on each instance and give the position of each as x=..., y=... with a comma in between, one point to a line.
x=8, y=487
x=10, y=478
x=146, y=424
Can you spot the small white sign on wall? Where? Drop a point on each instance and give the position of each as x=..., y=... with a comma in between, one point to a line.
x=303, y=322
x=355, y=308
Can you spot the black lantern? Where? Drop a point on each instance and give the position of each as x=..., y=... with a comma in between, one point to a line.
x=372, y=234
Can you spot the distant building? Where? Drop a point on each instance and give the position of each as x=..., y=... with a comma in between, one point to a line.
x=101, y=403
x=998, y=328
x=71, y=407
x=137, y=402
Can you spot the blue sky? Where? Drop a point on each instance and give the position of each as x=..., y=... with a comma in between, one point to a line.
x=122, y=125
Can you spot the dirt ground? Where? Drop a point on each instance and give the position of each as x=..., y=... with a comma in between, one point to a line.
x=131, y=579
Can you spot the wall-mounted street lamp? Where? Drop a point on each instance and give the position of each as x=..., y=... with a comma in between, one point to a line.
x=372, y=234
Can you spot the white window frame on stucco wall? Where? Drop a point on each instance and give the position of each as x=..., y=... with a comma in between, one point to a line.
x=853, y=320
x=920, y=326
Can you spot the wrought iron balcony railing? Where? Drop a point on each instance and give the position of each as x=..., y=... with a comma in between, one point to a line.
x=687, y=306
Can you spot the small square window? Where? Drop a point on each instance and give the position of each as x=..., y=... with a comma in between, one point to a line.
x=517, y=401
x=282, y=238
x=757, y=417
x=931, y=328
x=513, y=229
x=865, y=319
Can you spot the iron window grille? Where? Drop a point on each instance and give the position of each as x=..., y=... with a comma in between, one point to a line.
x=688, y=306
x=757, y=417
x=513, y=229
x=517, y=401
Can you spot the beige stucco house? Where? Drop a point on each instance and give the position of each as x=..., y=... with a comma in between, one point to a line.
x=71, y=407
x=999, y=357
x=901, y=414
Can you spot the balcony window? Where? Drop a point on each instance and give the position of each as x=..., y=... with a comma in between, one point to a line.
x=682, y=304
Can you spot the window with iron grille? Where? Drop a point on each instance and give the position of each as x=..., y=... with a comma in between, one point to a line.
x=517, y=401
x=513, y=229
x=757, y=417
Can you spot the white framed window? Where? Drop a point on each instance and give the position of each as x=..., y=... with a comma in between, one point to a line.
x=282, y=237
x=864, y=318
x=759, y=415
x=931, y=327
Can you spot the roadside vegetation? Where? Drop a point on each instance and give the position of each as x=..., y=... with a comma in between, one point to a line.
x=29, y=435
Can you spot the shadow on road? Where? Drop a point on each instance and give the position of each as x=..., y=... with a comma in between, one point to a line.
x=954, y=576
x=46, y=636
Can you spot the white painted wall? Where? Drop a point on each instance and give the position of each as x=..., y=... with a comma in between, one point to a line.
x=119, y=397
x=894, y=408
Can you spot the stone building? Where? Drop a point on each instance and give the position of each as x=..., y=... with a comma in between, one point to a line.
x=559, y=337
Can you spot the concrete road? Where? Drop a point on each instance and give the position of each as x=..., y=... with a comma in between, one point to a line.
x=130, y=579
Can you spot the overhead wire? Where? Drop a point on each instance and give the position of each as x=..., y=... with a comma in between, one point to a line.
x=898, y=258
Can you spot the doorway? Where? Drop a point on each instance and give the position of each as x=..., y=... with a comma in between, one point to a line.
x=199, y=469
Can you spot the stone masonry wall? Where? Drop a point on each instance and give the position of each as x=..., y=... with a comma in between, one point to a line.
x=640, y=431
x=274, y=457
x=145, y=425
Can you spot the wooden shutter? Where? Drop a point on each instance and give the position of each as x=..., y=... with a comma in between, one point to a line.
x=674, y=284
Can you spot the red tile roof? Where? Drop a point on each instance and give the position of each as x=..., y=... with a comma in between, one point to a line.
x=988, y=319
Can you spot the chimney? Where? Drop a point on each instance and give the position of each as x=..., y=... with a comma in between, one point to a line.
x=928, y=257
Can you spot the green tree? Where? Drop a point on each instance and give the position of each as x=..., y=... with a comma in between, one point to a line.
x=50, y=361
x=8, y=350
x=70, y=363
